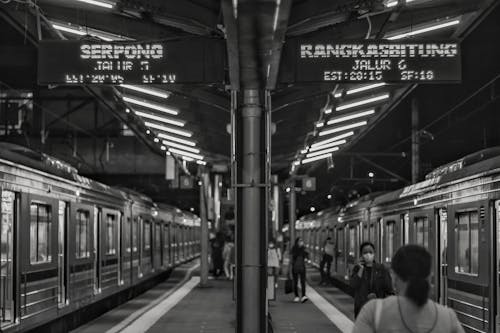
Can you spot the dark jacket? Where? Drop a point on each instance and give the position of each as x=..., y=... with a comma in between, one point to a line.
x=380, y=283
x=299, y=254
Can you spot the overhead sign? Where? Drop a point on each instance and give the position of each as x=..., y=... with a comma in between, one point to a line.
x=358, y=61
x=195, y=60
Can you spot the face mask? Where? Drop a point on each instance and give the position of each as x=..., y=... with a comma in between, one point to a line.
x=271, y=246
x=369, y=257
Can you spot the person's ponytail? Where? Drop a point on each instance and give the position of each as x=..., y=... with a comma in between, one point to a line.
x=418, y=290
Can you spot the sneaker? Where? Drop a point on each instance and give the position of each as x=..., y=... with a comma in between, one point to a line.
x=303, y=299
x=296, y=299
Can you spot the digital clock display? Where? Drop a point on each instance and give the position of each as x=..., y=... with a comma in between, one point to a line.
x=197, y=60
x=370, y=61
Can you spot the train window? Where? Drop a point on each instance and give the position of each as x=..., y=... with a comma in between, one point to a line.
x=352, y=243
x=40, y=227
x=135, y=232
x=421, y=235
x=467, y=242
x=340, y=241
x=126, y=235
x=82, y=234
x=111, y=227
x=389, y=240
x=372, y=233
x=147, y=235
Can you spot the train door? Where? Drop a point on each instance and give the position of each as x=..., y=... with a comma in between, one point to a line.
x=8, y=225
x=62, y=254
x=441, y=260
x=390, y=237
x=97, y=250
x=496, y=270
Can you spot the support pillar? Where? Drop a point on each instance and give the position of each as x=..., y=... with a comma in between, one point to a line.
x=204, y=231
x=415, y=142
x=292, y=216
x=251, y=218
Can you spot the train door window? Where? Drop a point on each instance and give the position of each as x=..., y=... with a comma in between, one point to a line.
x=62, y=228
x=467, y=242
x=111, y=231
x=389, y=240
x=40, y=228
x=147, y=235
x=352, y=244
x=7, y=266
x=126, y=235
x=97, y=249
x=406, y=227
x=135, y=234
x=340, y=246
x=421, y=234
x=366, y=232
x=443, y=245
x=82, y=240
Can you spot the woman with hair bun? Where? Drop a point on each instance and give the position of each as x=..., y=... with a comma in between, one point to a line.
x=411, y=311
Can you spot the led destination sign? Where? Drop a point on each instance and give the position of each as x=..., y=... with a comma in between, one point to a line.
x=371, y=61
x=89, y=62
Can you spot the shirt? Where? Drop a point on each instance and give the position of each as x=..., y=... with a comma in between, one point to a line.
x=417, y=319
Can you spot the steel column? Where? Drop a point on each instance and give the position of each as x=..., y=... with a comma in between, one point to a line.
x=204, y=231
x=251, y=219
x=292, y=216
x=415, y=142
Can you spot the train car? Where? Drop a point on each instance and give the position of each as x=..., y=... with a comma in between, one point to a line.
x=455, y=214
x=68, y=242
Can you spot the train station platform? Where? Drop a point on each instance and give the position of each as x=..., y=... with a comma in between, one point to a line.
x=181, y=305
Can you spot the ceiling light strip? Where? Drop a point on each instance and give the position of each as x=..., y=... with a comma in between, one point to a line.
x=176, y=139
x=150, y=105
x=322, y=152
x=160, y=119
x=148, y=91
x=365, y=88
x=168, y=129
x=315, y=158
x=350, y=116
x=176, y=145
x=361, y=102
x=183, y=153
x=424, y=30
x=328, y=145
x=99, y=3
x=343, y=128
x=335, y=138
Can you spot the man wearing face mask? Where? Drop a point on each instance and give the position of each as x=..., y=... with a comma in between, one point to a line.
x=369, y=279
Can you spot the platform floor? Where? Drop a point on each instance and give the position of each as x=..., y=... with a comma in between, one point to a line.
x=187, y=307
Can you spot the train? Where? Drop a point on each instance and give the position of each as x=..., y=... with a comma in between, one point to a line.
x=70, y=244
x=454, y=213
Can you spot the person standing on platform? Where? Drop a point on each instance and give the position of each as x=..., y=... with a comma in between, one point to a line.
x=326, y=260
x=411, y=310
x=228, y=248
x=218, y=262
x=273, y=261
x=299, y=256
x=369, y=279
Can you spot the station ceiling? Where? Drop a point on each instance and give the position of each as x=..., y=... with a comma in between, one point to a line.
x=255, y=40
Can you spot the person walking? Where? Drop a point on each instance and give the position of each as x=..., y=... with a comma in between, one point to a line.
x=411, y=311
x=273, y=261
x=226, y=254
x=369, y=279
x=326, y=260
x=299, y=256
x=217, y=260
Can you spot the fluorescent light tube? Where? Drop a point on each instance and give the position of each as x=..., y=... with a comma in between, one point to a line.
x=98, y=3
x=364, y=88
x=68, y=29
x=335, y=138
x=176, y=145
x=328, y=110
x=187, y=159
x=160, y=119
x=338, y=95
x=201, y=162
x=320, y=124
x=176, y=139
x=328, y=145
x=342, y=128
x=150, y=105
x=424, y=30
x=183, y=153
x=322, y=152
x=303, y=151
x=350, y=116
x=361, y=102
x=296, y=163
x=316, y=158
x=168, y=129
x=149, y=91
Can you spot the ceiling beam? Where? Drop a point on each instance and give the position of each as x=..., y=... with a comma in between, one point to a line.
x=231, y=32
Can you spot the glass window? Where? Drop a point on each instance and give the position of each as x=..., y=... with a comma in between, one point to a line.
x=126, y=235
x=135, y=232
x=467, y=242
x=147, y=235
x=389, y=240
x=372, y=233
x=40, y=227
x=110, y=234
x=340, y=241
x=352, y=243
x=421, y=235
x=82, y=227
x=8, y=210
